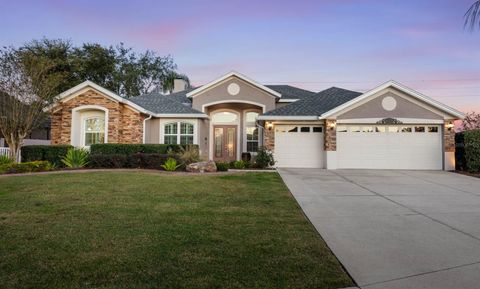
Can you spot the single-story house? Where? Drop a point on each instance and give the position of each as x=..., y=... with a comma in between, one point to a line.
x=389, y=127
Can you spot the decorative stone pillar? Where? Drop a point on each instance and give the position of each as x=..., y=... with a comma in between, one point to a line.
x=330, y=135
x=449, y=136
x=269, y=136
x=449, y=145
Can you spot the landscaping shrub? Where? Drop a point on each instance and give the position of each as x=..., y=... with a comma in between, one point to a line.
x=189, y=154
x=130, y=149
x=113, y=161
x=5, y=160
x=472, y=150
x=239, y=165
x=76, y=158
x=52, y=153
x=222, y=167
x=147, y=161
x=28, y=167
x=170, y=165
x=138, y=161
x=264, y=158
x=460, y=161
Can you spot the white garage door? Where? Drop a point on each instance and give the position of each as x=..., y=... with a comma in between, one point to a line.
x=299, y=146
x=417, y=147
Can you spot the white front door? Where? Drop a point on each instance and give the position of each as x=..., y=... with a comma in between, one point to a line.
x=299, y=146
x=412, y=147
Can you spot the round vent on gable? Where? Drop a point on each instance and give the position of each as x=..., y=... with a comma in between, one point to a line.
x=389, y=103
x=233, y=88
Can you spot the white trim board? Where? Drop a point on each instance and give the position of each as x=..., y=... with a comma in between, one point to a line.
x=219, y=80
x=403, y=120
x=286, y=117
x=346, y=106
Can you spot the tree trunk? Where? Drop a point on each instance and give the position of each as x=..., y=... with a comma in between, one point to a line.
x=14, y=142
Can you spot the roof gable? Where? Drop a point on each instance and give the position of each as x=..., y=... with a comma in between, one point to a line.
x=313, y=106
x=415, y=94
x=227, y=76
x=78, y=89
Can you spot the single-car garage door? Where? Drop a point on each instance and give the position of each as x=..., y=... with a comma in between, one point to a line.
x=416, y=147
x=299, y=146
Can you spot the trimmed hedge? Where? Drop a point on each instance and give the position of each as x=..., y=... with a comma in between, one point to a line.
x=50, y=153
x=222, y=167
x=129, y=149
x=472, y=150
x=138, y=160
x=28, y=167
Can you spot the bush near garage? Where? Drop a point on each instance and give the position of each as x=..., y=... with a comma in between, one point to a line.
x=51, y=153
x=472, y=150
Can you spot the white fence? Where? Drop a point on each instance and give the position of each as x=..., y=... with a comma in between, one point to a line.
x=6, y=151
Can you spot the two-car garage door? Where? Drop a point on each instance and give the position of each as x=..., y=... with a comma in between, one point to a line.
x=389, y=147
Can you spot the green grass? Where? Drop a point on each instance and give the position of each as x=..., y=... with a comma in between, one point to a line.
x=141, y=230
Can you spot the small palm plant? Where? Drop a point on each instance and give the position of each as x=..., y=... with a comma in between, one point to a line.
x=170, y=165
x=5, y=160
x=76, y=158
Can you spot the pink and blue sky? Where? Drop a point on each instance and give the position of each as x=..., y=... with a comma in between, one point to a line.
x=353, y=44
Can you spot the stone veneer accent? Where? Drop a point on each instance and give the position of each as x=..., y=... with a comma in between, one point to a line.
x=125, y=125
x=269, y=139
x=449, y=137
x=330, y=135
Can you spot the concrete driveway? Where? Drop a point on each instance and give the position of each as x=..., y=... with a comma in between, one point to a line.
x=396, y=229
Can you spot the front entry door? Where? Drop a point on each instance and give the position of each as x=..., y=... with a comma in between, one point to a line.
x=224, y=143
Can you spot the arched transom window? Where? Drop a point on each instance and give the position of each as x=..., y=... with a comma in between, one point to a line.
x=178, y=133
x=94, y=130
x=225, y=117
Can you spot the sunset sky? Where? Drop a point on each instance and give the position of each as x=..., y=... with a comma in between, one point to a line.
x=352, y=44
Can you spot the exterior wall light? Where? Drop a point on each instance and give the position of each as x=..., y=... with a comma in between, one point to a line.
x=269, y=125
x=449, y=125
x=331, y=124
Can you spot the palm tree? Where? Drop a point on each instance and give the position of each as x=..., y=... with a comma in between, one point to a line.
x=169, y=81
x=473, y=16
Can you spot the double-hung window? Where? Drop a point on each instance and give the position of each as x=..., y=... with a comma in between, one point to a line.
x=178, y=133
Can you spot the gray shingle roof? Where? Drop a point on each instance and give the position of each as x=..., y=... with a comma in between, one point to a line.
x=309, y=103
x=175, y=103
x=291, y=92
x=317, y=104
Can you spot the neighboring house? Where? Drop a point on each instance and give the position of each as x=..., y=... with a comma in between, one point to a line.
x=39, y=136
x=388, y=127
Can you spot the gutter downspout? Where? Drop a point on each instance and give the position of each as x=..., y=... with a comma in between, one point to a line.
x=144, y=124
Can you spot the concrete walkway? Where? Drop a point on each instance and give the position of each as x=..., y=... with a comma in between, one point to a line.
x=396, y=229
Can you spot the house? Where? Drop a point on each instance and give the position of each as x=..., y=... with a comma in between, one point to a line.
x=388, y=127
x=40, y=135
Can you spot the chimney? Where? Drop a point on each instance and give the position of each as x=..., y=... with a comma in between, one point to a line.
x=179, y=85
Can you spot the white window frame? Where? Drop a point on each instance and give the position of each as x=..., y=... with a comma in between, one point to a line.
x=164, y=122
x=247, y=125
x=84, y=127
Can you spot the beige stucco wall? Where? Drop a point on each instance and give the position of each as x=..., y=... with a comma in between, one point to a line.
x=152, y=131
x=404, y=109
x=248, y=93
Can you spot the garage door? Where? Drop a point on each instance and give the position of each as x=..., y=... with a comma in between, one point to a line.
x=390, y=147
x=299, y=146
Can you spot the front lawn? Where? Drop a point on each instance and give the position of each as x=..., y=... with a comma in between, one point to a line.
x=143, y=230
